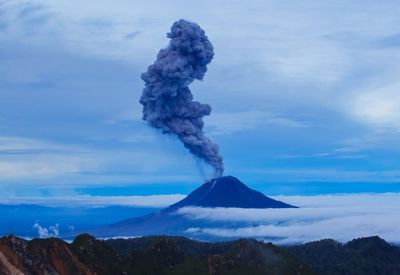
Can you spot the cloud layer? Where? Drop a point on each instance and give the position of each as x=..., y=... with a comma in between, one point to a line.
x=340, y=217
x=156, y=201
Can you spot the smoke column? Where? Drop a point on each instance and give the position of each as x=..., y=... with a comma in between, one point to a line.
x=167, y=100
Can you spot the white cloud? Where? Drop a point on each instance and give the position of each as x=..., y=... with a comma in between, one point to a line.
x=34, y=159
x=133, y=115
x=228, y=123
x=341, y=153
x=304, y=58
x=326, y=175
x=50, y=232
x=275, y=52
x=40, y=167
x=381, y=136
x=308, y=48
x=223, y=123
x=341, y=217
x=343, y=200
x=378, y=106
x=15, y=144
x=156, y=201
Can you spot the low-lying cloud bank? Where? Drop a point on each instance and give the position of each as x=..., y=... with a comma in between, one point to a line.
x=340, y=217
x=155, y=201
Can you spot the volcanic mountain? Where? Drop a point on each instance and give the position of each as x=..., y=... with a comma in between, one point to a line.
x=225, y=191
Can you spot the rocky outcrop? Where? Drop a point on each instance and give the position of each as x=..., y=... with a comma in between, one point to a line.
x=39, y=256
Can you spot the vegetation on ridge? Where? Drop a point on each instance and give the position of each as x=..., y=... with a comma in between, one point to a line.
x=180, y=256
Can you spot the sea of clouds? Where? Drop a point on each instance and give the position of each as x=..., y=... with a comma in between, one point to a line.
x=340, y=217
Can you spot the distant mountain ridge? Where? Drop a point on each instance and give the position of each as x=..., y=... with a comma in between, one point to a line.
x=19, y=218
x=225, y=191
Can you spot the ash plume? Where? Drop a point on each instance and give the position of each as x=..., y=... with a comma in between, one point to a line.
x=167, y=100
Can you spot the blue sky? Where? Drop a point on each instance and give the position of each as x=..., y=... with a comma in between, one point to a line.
x=304, y=94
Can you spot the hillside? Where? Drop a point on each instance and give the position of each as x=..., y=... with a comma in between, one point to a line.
x=178, y=255
x=364, y=256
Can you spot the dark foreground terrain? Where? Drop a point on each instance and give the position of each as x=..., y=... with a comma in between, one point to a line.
x=177, y=255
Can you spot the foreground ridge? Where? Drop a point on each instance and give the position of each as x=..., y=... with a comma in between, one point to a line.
x=178, y=255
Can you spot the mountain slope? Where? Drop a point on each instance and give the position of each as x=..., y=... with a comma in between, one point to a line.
x=181, y=256
x=152, y=256
x=39, y=256
x=19, y=219
x=177, y=255
x=221, y=192
x=228, y=192
x=364, y=256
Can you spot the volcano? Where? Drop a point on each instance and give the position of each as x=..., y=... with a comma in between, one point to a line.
x=225, y=191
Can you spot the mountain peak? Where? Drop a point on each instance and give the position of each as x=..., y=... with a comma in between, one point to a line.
x=228, y=191
x=225, y=191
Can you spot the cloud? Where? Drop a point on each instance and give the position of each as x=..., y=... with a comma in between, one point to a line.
x=379, y=138
x=337, y=153
x=31, y=20
x=156, y=201
x=39, y=167
x=129, y=116
x=303, y=63
x=132, y=35
x=10, y=144
x=59, y=163
x=389, y=41
x=326, y=175
x=224, y=123
x=33, y=158
x=228, y=123
x=341, y=217
x=74, y=66
x=279, y=50
x=378, y=106
x=50, y=232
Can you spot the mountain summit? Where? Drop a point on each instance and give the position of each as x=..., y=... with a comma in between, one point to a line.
x=228, y=192
x=220, y=192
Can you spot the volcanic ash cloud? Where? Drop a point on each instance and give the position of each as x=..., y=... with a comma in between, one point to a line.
x=167, y=100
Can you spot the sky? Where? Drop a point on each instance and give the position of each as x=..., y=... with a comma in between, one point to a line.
x=304, y=95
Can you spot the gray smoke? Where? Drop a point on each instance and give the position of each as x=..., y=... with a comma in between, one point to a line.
x=167, y=100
